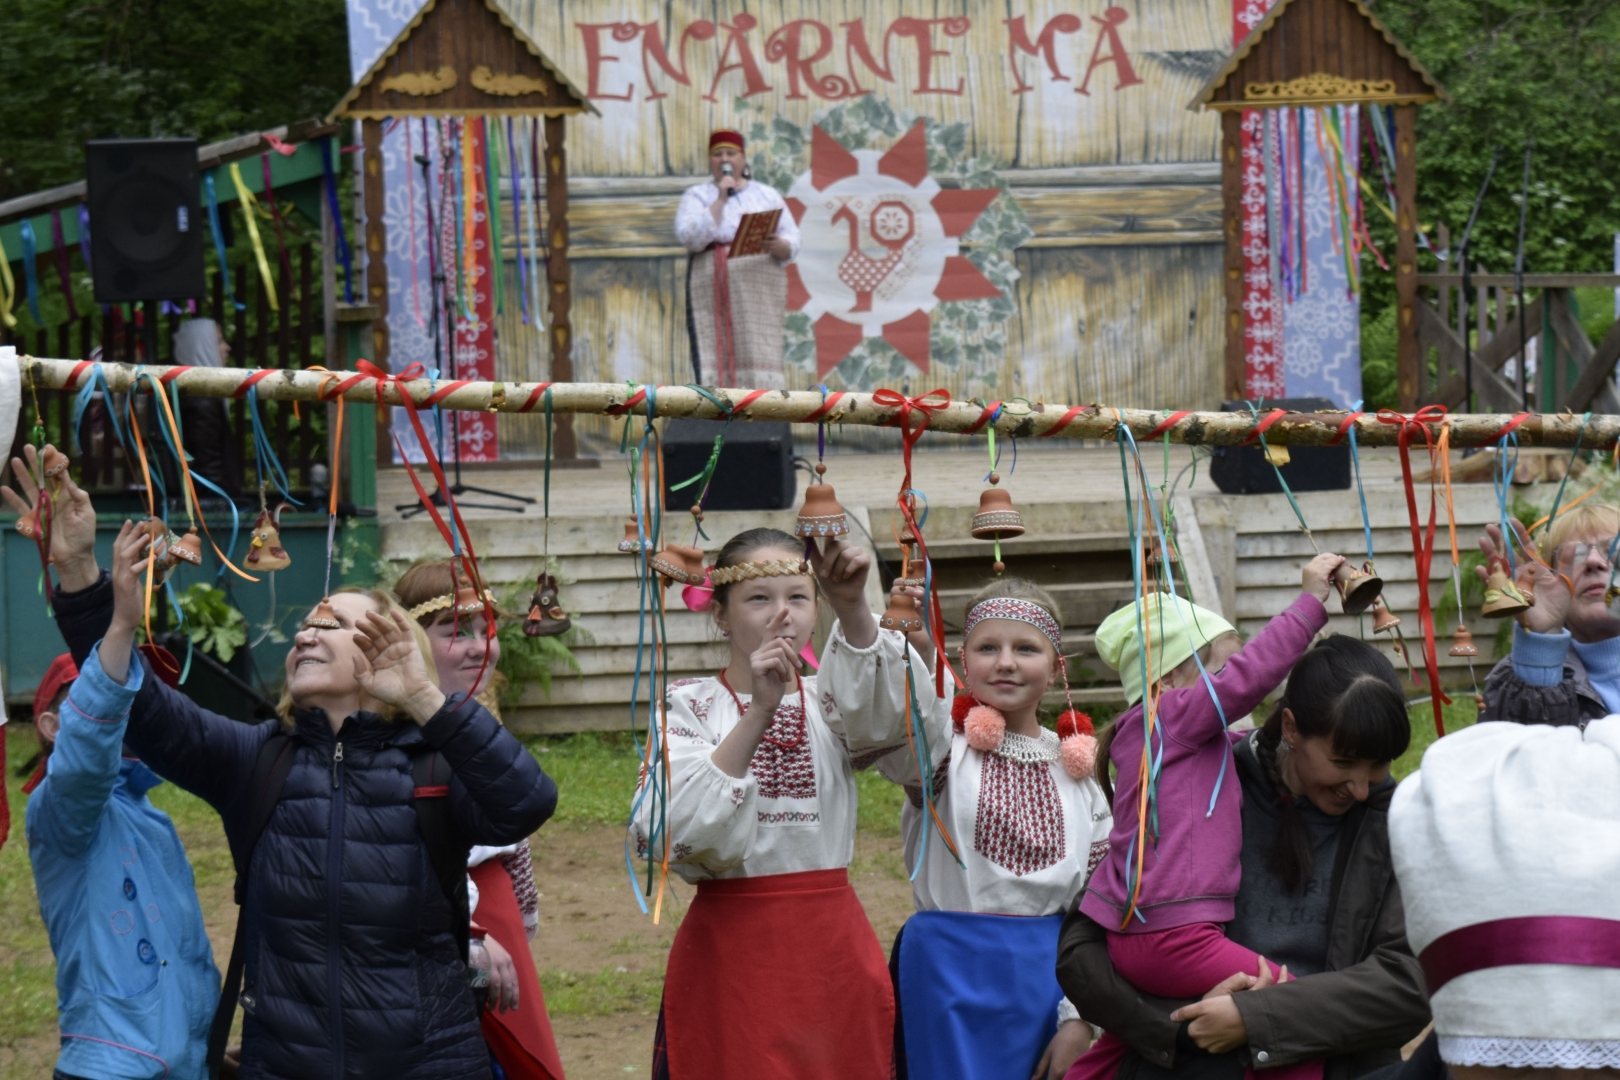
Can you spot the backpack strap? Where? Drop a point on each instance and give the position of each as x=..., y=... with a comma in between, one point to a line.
x=430, y=796
x=270, y=771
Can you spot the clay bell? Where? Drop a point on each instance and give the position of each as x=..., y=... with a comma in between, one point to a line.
x=1153, y=551
x=323, y=617
x=1357, y=588
x=264, y=549
x=187, y=548
x=997, y=519
x=902, y=613
x=55, y=469
x=631, y=544
x=1383, y=618
x=546, y=616
x=1502, y=596
x=1462, y=643
x=678, y=564
x=29, y=525
x=820, y=516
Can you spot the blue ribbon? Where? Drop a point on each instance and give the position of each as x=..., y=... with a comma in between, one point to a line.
x=263, y=453
x=219, y=241
x=30, y=273
x=337, y=220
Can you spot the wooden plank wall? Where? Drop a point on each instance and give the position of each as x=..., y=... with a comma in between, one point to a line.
x=1119, y=294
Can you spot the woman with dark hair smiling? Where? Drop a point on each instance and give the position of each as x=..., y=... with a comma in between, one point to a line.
x=1318, y=897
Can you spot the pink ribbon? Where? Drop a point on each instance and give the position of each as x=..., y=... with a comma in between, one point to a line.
x=1538, y=939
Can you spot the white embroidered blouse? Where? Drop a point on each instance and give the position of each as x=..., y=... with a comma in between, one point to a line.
x=696, y=228
x=795, y=809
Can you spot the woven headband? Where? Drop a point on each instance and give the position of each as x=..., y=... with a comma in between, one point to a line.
x=1024, y=611
x=439, y=603
x=726, y=575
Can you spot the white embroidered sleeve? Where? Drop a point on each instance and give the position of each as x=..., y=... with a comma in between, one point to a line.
x=863, y=697
x=695, y=227
x=711, y=817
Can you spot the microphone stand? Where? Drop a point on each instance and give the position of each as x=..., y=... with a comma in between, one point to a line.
x=457, y=488
x=1518, y=280
x=1467, y=283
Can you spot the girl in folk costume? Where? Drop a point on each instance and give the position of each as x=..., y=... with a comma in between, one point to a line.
x=500, y=880
x=775, y=970
x=734, y=305
x=1166, y=891
x=977, y=994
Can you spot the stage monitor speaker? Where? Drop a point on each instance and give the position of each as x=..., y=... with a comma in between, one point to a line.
x=755, y=470
x=1243, y=470
x=146, y=227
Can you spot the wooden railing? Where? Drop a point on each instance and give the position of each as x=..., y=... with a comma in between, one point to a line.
x=293, y=337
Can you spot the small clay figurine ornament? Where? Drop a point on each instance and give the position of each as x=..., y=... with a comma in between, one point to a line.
x=1502, y=597
x=1383, y=618
x=188, y=548
x=1462, y=643
x=631, y=544
x=1153, y=551
x=323, y=617
x=546, y=616
x=820, y=516
x=264, y=550
x=55, y=469
x=1357, y=588
x=680, y=564
x=29, y=525
x=997, y=519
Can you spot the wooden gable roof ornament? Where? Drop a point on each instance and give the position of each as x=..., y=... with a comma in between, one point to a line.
x=1319, y=52
x=462, y=58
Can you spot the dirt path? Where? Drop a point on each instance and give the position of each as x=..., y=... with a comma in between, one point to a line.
x=602, y=961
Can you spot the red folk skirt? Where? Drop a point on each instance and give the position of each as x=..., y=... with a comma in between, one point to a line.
x=521, y=1039
x=778, y=976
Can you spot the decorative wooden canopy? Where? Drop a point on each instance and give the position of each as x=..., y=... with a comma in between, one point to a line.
x=462, y=58
x=1319, y=52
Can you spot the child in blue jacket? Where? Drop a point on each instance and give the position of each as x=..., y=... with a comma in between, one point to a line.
x=136, y=983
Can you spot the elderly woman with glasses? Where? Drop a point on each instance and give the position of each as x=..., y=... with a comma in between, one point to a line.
x=1565, y=664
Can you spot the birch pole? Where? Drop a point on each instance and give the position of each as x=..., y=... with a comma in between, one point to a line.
x=1016, y=419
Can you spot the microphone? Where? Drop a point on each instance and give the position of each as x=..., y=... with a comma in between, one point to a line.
x=725, y=170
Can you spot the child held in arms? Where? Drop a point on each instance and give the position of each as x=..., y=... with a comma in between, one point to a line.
x=1165, y=892
x=1027, y=822
x=136, y=983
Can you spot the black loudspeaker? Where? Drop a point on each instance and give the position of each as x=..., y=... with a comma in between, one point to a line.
x=755, y=471
x=146, y=227
x=1243, y=470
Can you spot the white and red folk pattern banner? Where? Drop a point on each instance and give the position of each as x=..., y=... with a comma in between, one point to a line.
x=1265, y=373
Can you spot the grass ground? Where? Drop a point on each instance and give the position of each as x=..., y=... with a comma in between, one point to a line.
x=601, y=961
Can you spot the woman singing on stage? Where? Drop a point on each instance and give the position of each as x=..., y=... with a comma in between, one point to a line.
x=734, y=306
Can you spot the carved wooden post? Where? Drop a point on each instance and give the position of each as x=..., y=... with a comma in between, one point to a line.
x=1236, y=381
x=371, y=137
x=562, y=343
x=1408, y=354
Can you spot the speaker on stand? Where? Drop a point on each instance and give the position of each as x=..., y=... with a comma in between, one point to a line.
x=146, y=226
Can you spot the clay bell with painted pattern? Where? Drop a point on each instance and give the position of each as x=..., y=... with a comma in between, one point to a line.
x=821, y=516
x=997, y=518
x=679, y=565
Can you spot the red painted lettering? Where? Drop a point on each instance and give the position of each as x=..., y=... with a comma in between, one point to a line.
x=1110, y=23
x=594, y=59
x=653, y=52
x=1045, y=45
x=737, y=34
x=787, y=45
x=922, y=31
x=855, y=45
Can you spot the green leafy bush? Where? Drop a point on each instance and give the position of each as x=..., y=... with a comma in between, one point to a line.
x=211, y=622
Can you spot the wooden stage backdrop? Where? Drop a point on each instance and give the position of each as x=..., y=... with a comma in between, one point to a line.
x=1093, y=276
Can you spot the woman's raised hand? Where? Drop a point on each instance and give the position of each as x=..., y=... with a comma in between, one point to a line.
x=73, y=522
x=131, y=552
x=1548, y=591
x=393, y=669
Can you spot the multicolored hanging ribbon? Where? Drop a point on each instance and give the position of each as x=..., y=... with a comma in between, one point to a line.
x=25, y=230
x=275, y=218
x=492, y=207
x=336, y=212
x=219, y=241
x=63, y=274
x=515, y=156
x=8, y=289
x=250, y=208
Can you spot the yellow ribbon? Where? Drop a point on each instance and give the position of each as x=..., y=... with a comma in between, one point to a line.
x=469, y=225
x=8, y=289
x=250, y=206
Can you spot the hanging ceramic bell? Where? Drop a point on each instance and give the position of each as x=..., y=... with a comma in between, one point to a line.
x=29, y=526
x=821, y=516
x=323, y=617
x=1153, y=551
x=1502, y=596
x=631, y=544
x=997, y=518
x=902, y=613
x=546, y=616
x=1357, y=588
x=264, y=549
x=1462, y=643
x=678, y=564
x=1383, y=618
x=187, y=548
